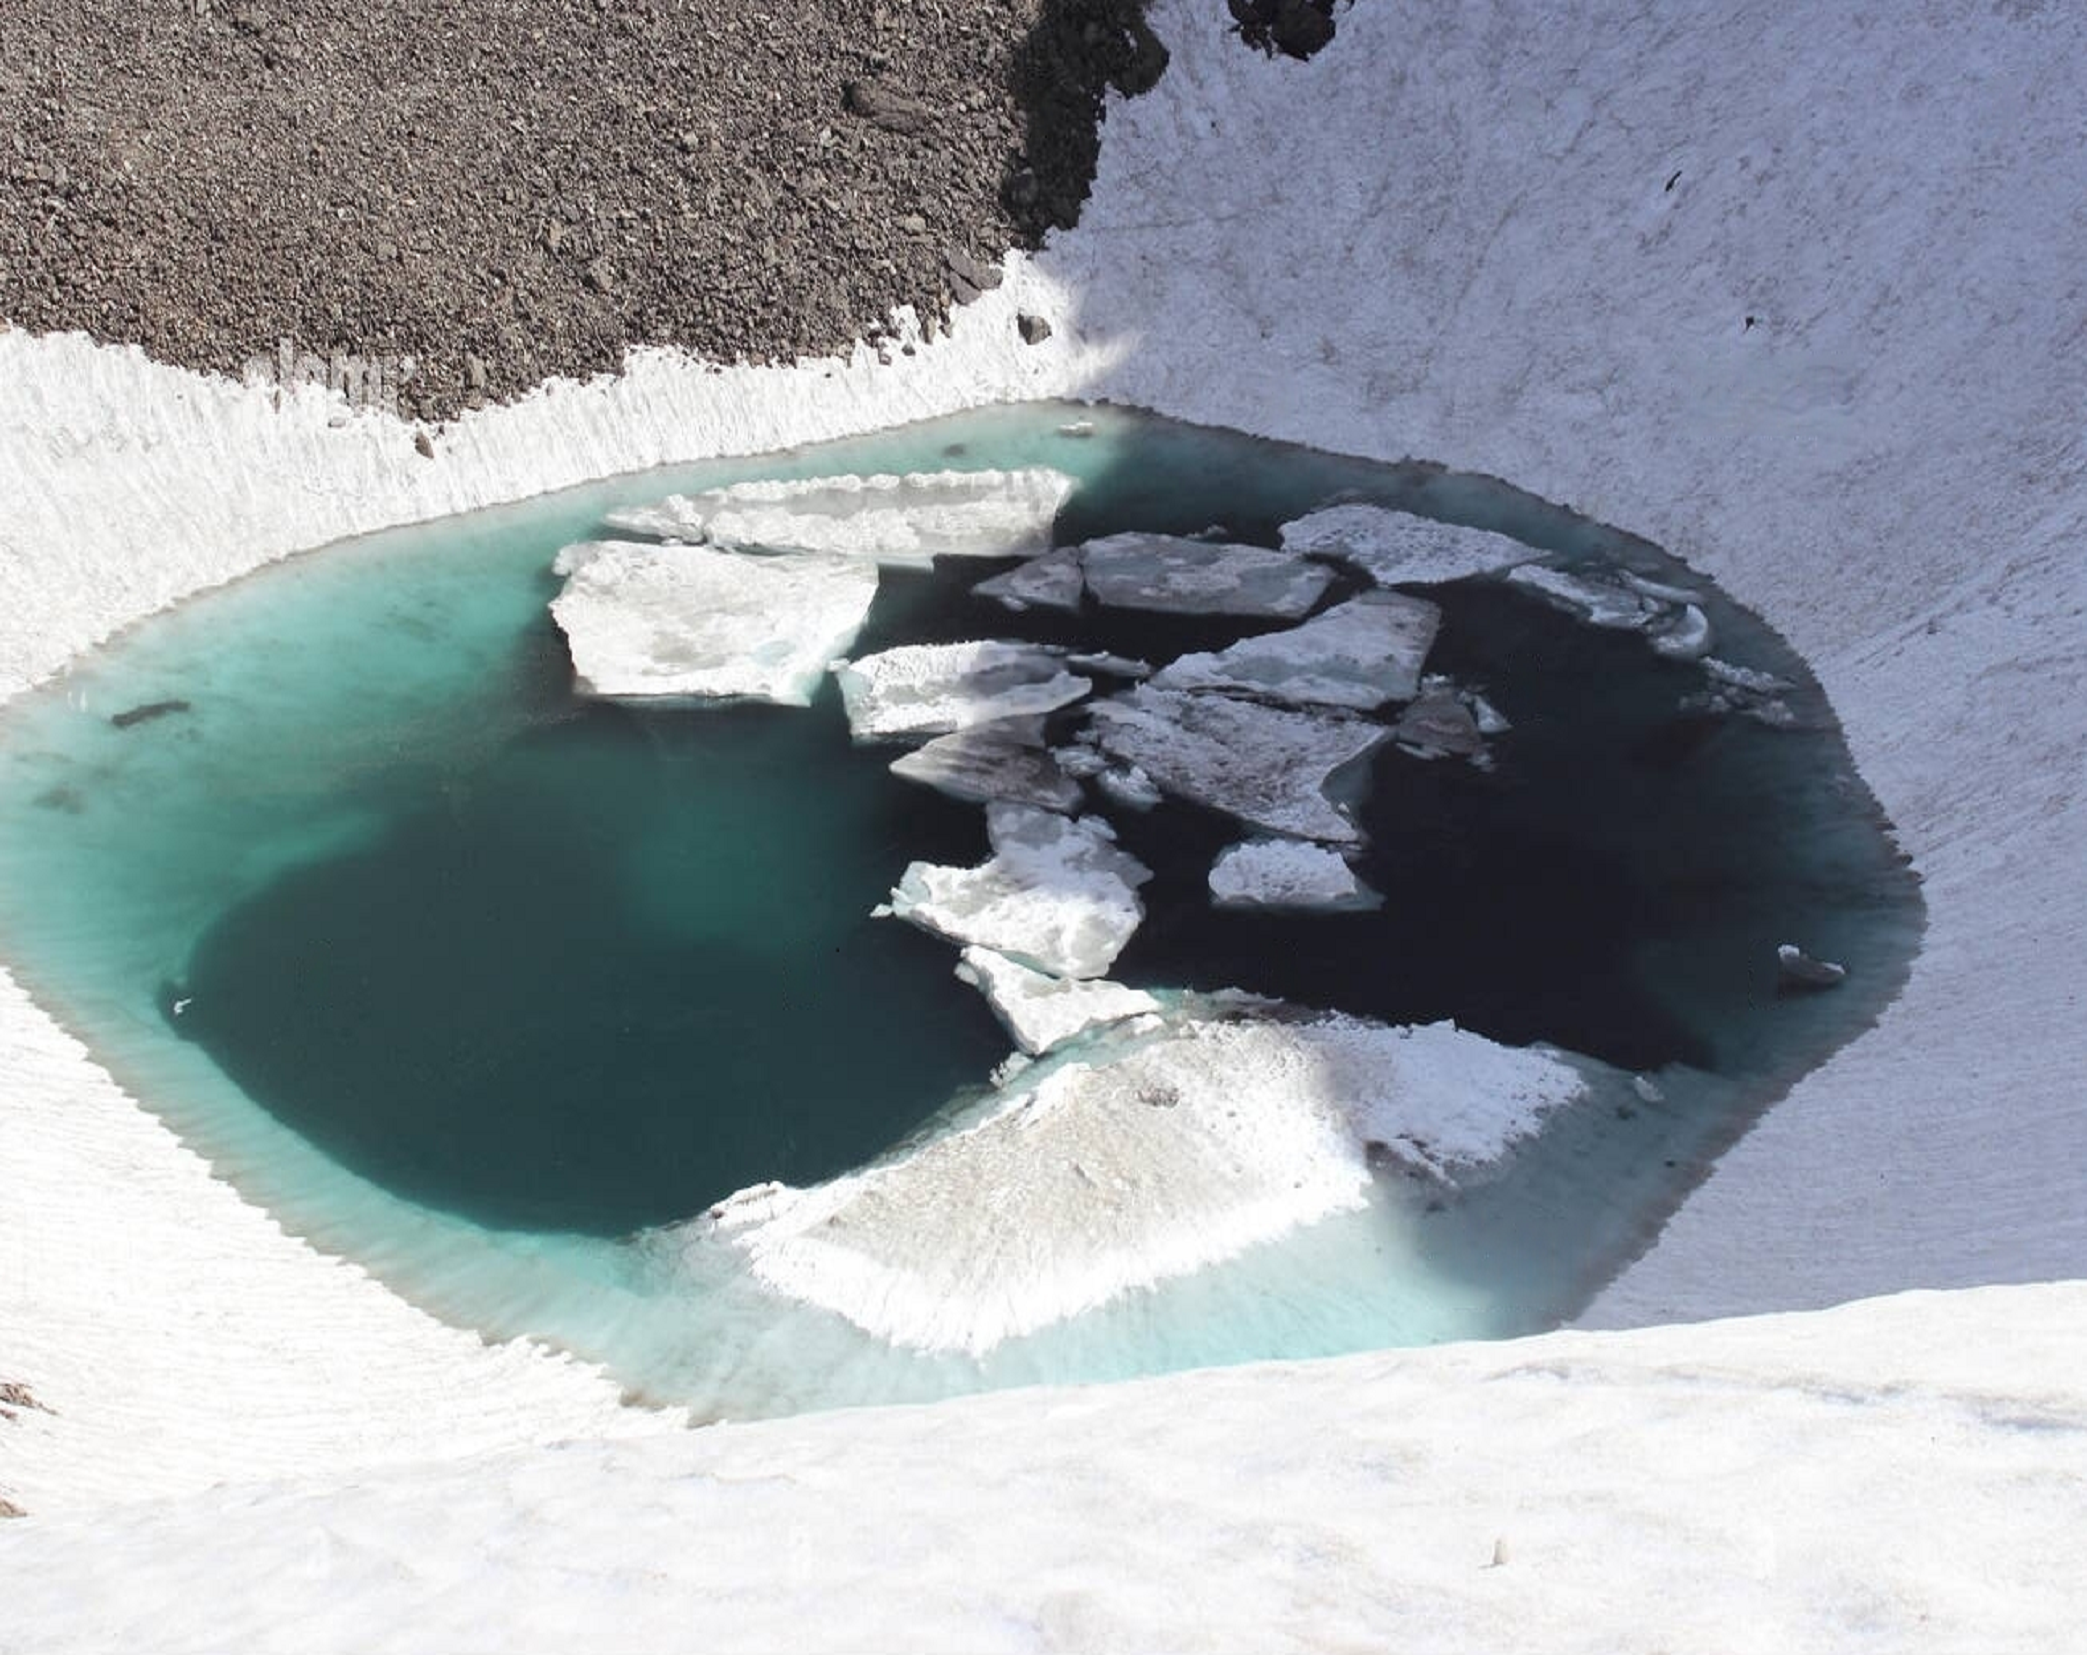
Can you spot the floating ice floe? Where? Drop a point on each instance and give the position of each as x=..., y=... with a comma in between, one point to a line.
x=1288, y=874
x=1268, y=766
x=1150, y=1154
x=1745, y=693
x=1359, y=654
x=1669, y=616
x=903, y=521
x=928, y=689
x=647, y=620
x=1056, y=894
x=1396, y=548
x=1795, y=969
x=1167, y=573
x=1042, y=1011
x=1439, y=725
x=1002, y=759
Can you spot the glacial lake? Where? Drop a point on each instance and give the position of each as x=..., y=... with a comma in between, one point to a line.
x=495, y=988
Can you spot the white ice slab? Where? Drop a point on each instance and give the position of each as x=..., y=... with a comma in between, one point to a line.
x=1396, y=548
x=904, y=521
x=1042, y=1011
x=1152, y=1156
x=929, y=689
x=1002, y=759
x=1360, y=655
x=1199, y=577
x=652, y=620
x=1268, y=766
x=1287, y=874
x=1056, y=894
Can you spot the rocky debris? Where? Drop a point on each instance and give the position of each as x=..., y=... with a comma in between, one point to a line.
x=1296, y=28
x=146, y=712
x=504, y=191
x=1033, y=329
x=1798, y=972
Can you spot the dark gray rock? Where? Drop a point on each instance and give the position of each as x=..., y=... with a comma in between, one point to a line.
x=1034, y=329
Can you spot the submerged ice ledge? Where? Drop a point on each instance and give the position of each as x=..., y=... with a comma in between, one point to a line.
x=1151, y=1152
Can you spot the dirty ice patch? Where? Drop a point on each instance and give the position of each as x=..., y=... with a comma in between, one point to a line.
x=1169, y=574
x=1148, y=1157
x=904, y=521
x=651, y=620
x=1056, y=894
x=1359, y=655
x=1268, y=766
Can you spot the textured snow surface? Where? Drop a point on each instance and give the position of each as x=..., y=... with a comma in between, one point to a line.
x=1569, y=224
x=1395, y=548
x=1056, y=894
x=1286, y=873
x=1042, y=1011
x=1268, y=766
x=689, y=621
x=928, y=689
x=1151, y=1156
x=903, y=521
x=1359, y=655
x=1789, y=1485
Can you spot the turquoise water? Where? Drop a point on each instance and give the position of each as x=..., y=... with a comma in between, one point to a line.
x=487, y=987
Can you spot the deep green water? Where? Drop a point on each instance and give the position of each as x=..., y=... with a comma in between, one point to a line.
x=488, y=986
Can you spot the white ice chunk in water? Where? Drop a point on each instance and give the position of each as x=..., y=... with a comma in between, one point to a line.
x=650, y=620
x=1153, y=1155
x=903, y=521
x=1396, y=548
x=1268, y=766
x=1002, y=759
x=1199, y=577
x=1359, y=654
x=1056, y=895
x=1288, y=874
x=928, y=689
x=1684, y=637
x=1440, y=725
x=1052, y=581
x=1042, y=1011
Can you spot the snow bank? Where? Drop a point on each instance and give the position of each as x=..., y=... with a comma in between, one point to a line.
x=1151, y=1156
x=906, y=522
x=690, y=621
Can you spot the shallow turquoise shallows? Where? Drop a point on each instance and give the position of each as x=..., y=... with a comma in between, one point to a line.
x=490, y=987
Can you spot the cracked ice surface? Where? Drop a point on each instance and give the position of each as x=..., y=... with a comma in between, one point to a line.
x=1359, y=654
x=1150, y=1156
x=1042, y=1011
x=1289, y=874
x=1396, y=548
x=902, y=521
x=929, y=689
x=1268, y=766
x=1004, y=758
x=1056, y=894
x=648, y=620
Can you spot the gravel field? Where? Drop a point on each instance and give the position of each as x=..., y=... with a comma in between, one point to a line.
x=475, y=195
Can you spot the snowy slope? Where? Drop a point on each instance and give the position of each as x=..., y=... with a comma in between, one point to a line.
x=1468, y=252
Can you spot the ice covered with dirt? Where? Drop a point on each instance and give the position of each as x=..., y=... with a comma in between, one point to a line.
x=1003, y=758
x=904, y=521
x=1148, y=1155
x=1042, y=1011
x=1291, y=874
x=1359, y=655
x=1268, y=766
x=931, y=689
x=1056, y=894
x=660, y=620
x=1396, y=548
